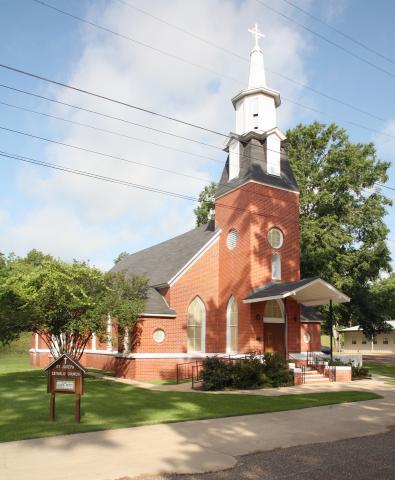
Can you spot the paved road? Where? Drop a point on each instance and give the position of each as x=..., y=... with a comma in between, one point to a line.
x=379, y=359
x=363, y=458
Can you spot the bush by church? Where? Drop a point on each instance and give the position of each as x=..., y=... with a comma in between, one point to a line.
x=270, y=370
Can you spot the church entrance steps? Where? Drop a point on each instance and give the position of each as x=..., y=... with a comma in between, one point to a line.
x=313, y=376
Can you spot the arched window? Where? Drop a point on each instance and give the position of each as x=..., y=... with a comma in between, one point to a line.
x=231, y=326
x=196, y=326
x=273, y=312
x=276, y=266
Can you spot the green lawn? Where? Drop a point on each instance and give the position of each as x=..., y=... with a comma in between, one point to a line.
x=388, y=370
x=24, y=404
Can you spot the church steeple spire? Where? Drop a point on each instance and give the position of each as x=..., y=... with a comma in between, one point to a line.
x=257, y=68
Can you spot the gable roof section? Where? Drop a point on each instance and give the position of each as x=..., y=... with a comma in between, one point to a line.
x=309, y=291
x=253, y=167
x=156, y=305
x=162, y=262
x=310, y=314
x=357, y=328
x=70, y=358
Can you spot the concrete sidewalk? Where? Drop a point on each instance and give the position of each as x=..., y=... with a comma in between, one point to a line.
x=189, y=447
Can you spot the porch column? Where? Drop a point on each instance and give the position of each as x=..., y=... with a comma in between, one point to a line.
x=285, y=327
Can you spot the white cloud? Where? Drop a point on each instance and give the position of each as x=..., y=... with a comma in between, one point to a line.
x=73, y=216
x=385, y=144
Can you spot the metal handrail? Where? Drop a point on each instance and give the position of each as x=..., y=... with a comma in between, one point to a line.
x=182, y=367
x=197, y=374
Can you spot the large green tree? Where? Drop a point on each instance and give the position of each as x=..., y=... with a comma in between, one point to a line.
x=343, y=234
x=65, y=303
x=342, y=209
x=205, y=210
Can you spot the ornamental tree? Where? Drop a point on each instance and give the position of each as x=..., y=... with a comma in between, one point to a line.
x=65, y=303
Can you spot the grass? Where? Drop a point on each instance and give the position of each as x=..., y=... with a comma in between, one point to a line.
x=325, y=340
x=387, y=370
x=24, y=404
x=167, y=382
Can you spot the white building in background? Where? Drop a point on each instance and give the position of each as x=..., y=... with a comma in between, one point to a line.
x=355, y=341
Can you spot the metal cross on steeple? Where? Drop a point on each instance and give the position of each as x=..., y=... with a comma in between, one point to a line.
x=257, y=34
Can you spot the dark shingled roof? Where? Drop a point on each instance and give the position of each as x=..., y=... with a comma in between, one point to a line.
x=310, y=314
x=156, y=304
x=253, y=167
x=161, y=262
x=276, y=288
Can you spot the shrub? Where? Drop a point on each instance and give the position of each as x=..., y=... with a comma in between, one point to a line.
x=217, y=374
x=247, y=373
x=271, y=370
x=358, y=371
x=276, y=371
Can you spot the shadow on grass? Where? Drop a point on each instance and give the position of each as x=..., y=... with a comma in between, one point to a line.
x=24, y=406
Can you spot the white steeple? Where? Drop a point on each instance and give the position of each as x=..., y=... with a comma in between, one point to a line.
x=256, y=106
x=256, y=116
x=257, y=67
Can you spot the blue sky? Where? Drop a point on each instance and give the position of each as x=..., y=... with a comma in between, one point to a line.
x=79, y=218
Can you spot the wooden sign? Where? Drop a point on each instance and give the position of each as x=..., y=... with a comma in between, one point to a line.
x=65, y=375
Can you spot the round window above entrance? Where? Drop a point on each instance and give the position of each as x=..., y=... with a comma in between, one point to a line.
x=232, y=239
x=307, y=337
x=275, y=237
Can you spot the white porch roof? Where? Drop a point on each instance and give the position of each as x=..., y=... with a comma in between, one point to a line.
x=309, y=292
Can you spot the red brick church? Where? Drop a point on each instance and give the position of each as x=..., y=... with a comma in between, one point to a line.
x=232, y=286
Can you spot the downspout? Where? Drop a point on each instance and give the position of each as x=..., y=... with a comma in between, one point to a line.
x=331, y=326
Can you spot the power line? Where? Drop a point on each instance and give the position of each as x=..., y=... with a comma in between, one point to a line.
x=322, y=37
x=113, y=180
x=76, y=147
x=125, y=37
x=105, y=178
x=106, y=115
x=108, y=99
x=340, y=32
x=101, y=154
x=181, y=137
x=19, y=132
x=111, y=132
x=119, y=102
x=245, y=59
x=93, y=175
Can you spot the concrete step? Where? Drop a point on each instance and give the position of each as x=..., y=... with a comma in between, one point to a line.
x=316, y=379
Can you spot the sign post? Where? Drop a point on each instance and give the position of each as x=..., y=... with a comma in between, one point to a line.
x=65, y=375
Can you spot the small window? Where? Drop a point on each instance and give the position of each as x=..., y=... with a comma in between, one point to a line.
x=159, y=335
x=231, y=326
x=234, y=159
x=375, y=341
x=276, y=266
x=385, y=341
x=196, y=326
x=275, y=237
x=363, y=342
x=353, y=341
x=232, y=239
x=307, y=337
